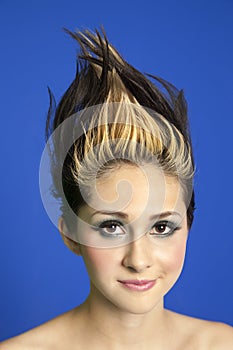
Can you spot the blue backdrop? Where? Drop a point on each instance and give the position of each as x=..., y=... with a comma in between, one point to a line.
x=188, y=43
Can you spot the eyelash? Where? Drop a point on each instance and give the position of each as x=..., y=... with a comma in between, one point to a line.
x=108, y=223
x=168, y=224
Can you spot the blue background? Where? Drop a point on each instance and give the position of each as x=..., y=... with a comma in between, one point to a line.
x=189, y=43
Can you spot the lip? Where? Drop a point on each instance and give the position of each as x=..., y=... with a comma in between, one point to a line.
x=138, y=285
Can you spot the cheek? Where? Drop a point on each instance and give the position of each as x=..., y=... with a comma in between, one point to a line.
x=98, y=260
x=172, y=258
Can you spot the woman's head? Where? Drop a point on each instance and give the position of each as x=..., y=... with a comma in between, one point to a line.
x=142, y=245
x=112, y=116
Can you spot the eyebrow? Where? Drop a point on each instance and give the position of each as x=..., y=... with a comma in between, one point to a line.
x=125, y=216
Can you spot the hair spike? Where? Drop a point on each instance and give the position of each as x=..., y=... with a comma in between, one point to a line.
x=143, y=113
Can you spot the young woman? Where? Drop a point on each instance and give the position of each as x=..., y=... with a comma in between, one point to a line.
x=122, y=170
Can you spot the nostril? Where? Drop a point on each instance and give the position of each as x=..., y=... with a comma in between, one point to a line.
x=136, y=266
x=132, y=269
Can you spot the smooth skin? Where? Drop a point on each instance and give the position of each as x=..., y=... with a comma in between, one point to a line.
x=114, y=317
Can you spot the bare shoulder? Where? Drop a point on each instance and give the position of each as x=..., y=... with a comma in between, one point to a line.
x=220, y=336
x=205, y=335
x=52, y=335
x=23, y=341
x=38, y=338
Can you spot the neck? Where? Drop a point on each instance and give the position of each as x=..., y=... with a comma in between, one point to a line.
x=116, y=326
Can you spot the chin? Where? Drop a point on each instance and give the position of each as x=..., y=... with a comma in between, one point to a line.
x=142, y=308
x=137, y=305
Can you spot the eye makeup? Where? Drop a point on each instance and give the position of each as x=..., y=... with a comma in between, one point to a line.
x=112, y=228
x=163, y=229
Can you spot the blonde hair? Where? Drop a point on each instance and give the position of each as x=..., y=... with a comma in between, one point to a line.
x=121, y=117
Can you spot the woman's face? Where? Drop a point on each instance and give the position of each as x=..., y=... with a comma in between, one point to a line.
x=141, y=215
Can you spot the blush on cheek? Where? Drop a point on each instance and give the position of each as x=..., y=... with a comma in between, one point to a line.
x=97, y=259
x=179, y=256
x=174, y=259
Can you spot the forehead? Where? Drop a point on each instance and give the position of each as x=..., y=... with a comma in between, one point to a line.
x=136, y=190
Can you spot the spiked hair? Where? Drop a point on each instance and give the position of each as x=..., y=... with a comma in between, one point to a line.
x=143, y=121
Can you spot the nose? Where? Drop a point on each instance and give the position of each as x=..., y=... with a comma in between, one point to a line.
x=138, y=256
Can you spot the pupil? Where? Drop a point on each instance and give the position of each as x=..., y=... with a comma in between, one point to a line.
x=161, y=228
x=111, y=228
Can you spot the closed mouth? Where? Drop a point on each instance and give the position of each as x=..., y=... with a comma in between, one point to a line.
x=138, y=285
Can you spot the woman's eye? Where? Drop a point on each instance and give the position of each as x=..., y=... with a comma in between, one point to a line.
x=111, y=228
x=162, y=229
